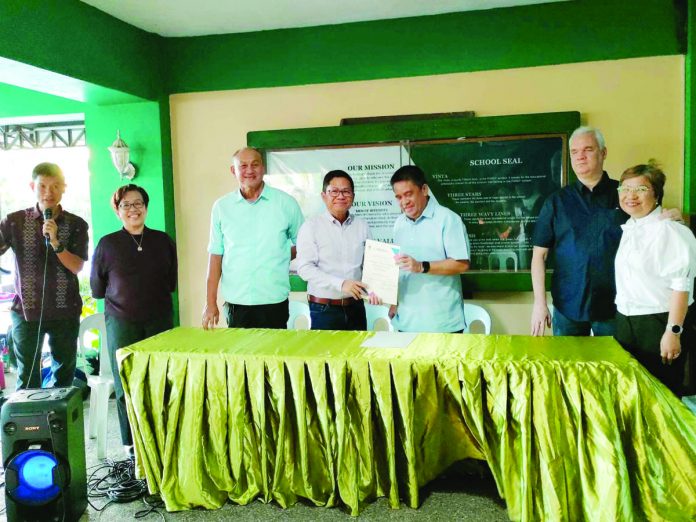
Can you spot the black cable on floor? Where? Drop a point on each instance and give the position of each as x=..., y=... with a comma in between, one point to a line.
x=116, y=482
x=153, y=503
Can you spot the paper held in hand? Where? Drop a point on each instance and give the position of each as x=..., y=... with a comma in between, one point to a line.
x=380, y=271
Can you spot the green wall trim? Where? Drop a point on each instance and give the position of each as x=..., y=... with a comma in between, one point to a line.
x=527, y=36
x=168, y=184
x=167, y=166
x=48, y=82
x=551, y=122
x=74, y=39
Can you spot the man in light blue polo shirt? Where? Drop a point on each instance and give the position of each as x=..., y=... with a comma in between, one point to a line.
x=252, y=234
x=434, y=252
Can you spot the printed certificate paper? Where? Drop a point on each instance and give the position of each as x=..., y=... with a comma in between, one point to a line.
x=380, y=271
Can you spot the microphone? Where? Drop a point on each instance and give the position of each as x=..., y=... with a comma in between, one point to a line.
x=48, y=214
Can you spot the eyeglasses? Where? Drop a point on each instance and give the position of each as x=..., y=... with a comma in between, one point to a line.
x=137, y=205
x=640, y=190
x=334, y=192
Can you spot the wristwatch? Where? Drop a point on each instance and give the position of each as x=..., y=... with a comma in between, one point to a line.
x=426, y=267
x=676, y=329
x=59, y=248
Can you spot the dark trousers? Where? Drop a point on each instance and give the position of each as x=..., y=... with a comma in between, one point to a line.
x=640, y=335
x=274, y=315
x=120, y=333
x=331, y=317
x=27, y=340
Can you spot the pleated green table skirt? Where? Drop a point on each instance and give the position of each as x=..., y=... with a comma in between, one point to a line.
x=572, y=428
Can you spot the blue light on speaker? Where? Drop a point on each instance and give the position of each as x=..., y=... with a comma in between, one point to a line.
x=37, y=472
x=35, y=477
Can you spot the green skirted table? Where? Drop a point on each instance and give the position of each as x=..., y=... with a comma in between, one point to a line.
x=572, y=428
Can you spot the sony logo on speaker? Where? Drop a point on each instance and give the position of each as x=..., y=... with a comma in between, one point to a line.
x=32, y=428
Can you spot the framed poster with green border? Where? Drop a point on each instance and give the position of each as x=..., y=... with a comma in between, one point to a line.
x=495, y=172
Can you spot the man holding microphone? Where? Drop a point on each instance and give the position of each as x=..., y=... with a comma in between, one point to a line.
x=50, y=248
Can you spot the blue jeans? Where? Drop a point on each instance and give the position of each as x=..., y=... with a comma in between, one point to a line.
x=564, y=326
x=62, y=339
x=330, y=317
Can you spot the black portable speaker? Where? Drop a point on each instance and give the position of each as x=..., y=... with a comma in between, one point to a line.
x=43, y=452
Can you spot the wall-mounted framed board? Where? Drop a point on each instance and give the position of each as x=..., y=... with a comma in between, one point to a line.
x=495, y=172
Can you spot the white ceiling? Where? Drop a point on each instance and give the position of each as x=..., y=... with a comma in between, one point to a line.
x=202, y=17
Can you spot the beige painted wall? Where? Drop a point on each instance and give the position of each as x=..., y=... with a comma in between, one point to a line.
x=638, y=103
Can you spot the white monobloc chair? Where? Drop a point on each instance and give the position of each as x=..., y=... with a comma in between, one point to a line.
x=378, y=318
x=299, y=316
x=502, y=257
x=474, y=313
x=101, y=385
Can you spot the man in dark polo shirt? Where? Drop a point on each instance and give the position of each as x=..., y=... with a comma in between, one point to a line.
x=581, y=223
x=49, y=252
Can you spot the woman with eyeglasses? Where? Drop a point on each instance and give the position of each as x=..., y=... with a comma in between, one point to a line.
x=655, y=269
x=135, y=271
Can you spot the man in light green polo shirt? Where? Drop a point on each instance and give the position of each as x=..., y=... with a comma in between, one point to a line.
x=253, y=231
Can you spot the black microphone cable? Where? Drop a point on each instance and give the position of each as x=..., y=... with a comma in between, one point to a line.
x=48, y=214
x=37, y=350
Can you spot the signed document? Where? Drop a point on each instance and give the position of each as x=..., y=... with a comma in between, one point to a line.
x=380, y=271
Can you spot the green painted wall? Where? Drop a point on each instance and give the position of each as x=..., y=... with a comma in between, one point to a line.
x=15, y=101
x=582, y=30
x=74, y=39
x=140, y=125
x=79, y=41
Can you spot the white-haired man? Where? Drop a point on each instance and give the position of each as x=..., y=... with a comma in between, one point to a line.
x=253, y=231
x=582, y=224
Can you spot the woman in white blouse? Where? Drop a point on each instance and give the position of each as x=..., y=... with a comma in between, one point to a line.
x=655, y=269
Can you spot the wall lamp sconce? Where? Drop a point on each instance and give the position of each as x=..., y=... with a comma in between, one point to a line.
x=120, y=156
